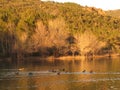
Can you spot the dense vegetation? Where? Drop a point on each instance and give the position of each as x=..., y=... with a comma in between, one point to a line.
x=33, y=27
x=114, y=13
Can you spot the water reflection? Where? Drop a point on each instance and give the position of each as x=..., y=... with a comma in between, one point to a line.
x=37, y=75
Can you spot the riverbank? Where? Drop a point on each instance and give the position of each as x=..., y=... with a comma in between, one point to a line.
x=51, y=58
x=83, y=57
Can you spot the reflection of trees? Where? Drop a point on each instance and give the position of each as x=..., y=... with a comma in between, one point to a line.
x=65, y=81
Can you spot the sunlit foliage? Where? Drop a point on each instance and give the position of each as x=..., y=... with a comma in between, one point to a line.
x=33, y=26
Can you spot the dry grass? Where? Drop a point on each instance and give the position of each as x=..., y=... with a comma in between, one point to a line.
x=71, y=58
x=80, y=57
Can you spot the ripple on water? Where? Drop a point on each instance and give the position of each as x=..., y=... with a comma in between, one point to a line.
x=40, y=73
x=59, y=82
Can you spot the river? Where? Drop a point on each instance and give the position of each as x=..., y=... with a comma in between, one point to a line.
x=35, y=74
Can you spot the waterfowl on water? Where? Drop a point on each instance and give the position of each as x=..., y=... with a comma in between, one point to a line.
x=20, y=69
x=84, y=71
x=30, y=73
x=16, y=73
x=58, y=73
x=91, y=71
x=54, y=70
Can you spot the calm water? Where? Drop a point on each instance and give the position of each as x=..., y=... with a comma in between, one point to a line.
x=61, y=75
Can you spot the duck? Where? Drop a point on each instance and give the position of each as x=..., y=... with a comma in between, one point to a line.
x=58, y=73
x=30, y=73
x=54, y=70
x=84, y=71
x=20, y=69
x=17, y=73
x=91, y=71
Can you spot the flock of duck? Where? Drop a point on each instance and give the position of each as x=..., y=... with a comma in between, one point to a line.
x=57, y=71
x=63, y=70
x=21, y=69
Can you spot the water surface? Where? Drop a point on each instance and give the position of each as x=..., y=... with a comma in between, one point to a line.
x=35, y=74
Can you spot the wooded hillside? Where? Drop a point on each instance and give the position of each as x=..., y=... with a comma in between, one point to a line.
x=114, y=13
x=33, y=27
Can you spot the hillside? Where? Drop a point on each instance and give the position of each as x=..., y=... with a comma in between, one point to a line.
x=114, y=13
x=49, y=28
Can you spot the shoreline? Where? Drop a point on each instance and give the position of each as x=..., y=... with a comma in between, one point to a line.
x=51, y=58
x=83, y=57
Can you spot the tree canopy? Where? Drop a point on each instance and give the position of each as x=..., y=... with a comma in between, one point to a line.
x=28, y=25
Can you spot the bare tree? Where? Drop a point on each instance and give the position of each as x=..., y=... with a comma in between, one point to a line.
x=38, y=40
x=88, y=43
x=58, y=33
x=52, y=37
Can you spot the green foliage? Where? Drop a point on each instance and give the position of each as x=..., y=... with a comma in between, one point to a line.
x=114, y=13
x=19, y=17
